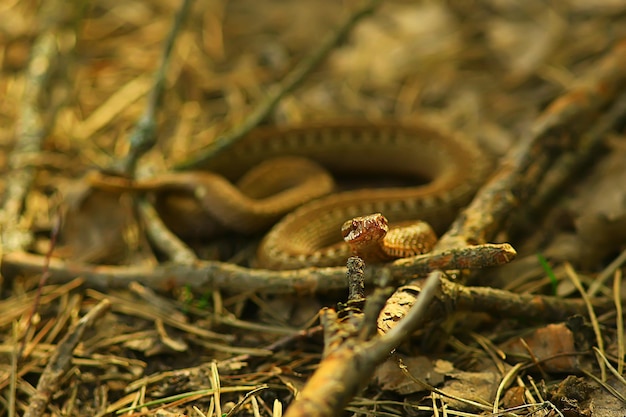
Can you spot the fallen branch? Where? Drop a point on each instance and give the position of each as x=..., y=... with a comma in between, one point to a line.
x=143, y=137
x=232, y=278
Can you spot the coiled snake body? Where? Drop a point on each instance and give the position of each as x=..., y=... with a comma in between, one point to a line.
x=444, y=172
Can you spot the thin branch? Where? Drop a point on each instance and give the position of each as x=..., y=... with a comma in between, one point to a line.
x=143, y=137
x=163, y=238
x=232, y=278
x=284, y=87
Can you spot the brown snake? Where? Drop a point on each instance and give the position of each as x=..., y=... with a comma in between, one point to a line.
x=443, y=172
x=311, y=235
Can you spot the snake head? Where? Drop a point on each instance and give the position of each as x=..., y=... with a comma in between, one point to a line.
x=365, y=229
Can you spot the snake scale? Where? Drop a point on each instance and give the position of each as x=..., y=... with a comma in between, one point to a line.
x=443, y=170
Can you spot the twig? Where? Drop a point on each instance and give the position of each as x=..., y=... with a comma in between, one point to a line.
x=619, y=321
x=356, y=280
x=143, y=137
x=279, y=90
x=462, y=257
x=45, y=274
x=60, y=362
x=232, y=278
x=604, y=276
x=593, y=318
x=511, y=305
x=163, y=238
x=15, y=354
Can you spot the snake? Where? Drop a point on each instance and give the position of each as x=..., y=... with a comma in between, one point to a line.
x=443, y=171
x=432, y=173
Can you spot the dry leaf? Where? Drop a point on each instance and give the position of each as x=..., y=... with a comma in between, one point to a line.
x=390, y=377
x=99, y=227
x=555, y=341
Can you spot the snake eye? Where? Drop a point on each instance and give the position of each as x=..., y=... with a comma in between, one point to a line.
x=347, y=227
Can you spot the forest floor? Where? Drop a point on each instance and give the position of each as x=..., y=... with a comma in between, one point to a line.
x=95, y=321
